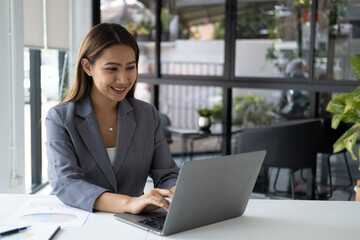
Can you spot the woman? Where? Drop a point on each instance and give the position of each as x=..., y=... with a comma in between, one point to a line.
x=101, y=142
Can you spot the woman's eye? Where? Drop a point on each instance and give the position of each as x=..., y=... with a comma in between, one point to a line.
x=131, y=67
x=111, y=69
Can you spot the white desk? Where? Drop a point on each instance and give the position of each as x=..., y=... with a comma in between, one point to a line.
x=263, y=219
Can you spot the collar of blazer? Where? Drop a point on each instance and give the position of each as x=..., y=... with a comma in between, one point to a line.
x=89, y=131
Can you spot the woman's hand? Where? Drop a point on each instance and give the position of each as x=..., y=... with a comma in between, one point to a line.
x=150, y=201
x=117, y=203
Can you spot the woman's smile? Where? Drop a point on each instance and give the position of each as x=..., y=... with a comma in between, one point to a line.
x=118, y=90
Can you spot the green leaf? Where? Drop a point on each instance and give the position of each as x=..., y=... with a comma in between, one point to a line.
x=358, y=152
x=350, y=143
x=356, y=93
x=355, y=65
x=335, y=121
x=349, y=103
x=337, y=104
x=340, y=144
x=350, y=117
x=205, y=112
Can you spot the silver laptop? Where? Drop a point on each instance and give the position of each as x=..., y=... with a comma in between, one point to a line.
x=207, y=191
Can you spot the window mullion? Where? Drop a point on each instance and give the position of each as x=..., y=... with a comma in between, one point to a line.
x=35, y=106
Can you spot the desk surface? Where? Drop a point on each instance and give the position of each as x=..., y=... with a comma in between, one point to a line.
x=263, y=219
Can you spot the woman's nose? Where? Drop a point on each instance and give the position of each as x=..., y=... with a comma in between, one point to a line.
x=121, y=77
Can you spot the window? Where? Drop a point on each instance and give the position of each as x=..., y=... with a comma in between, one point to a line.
x=180, y=105
x=192, y=38
x=139, y=19
x=261, y=107
x=42, y=69
x=273, y=39
x=338, y=34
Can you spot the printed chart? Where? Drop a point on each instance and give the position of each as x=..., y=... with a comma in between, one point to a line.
x=40, y=211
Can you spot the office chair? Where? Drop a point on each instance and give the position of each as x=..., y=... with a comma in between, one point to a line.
x=328, y=139
x=292, y=145
x=165, y=122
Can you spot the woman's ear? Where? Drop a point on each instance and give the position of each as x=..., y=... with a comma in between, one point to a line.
x=86, y=66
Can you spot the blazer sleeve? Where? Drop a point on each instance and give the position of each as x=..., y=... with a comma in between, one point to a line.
x=65, y=176
x=164, y=170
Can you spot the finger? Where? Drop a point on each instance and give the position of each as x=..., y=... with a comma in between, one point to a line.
x=164, y=192
x=159, y=201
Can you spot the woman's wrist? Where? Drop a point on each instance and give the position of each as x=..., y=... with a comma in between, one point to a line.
x=112, y=202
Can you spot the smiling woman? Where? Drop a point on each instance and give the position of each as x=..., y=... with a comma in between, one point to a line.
x=100, y=116
x=113, y=73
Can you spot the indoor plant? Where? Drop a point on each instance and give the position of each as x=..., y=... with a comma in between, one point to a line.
x=166, y=18
x=346, y=108
x=204, y=121
x=247, y=110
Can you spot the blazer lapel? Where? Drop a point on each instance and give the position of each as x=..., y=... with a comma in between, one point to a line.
x=89, y=131
x=125, y=130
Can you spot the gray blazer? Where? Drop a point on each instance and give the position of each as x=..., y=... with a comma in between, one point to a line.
x=79, y=169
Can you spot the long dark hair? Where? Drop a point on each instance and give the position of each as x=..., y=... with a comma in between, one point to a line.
x=99, y=38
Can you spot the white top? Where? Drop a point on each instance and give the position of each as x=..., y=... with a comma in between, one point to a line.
x=263, y=219
x=111, y=153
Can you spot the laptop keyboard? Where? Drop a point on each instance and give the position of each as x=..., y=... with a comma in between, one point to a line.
x=155, y=222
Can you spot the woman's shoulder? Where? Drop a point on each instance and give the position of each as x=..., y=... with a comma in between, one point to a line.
x=62, y=110
x=63, y=107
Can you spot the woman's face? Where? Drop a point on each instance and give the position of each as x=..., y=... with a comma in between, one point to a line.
x=114, y=73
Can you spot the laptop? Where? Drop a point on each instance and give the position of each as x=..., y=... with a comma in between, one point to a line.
x=207, y=191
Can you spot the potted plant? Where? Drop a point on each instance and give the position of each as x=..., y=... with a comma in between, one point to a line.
x=346, y=108
x=166, y=18
x=204, y=121
x=248, y=111
x=143, y=30
x=140, y=25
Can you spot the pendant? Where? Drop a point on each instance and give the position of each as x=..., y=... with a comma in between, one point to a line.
x=111, y=129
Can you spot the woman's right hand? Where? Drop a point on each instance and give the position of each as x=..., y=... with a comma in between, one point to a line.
x=150, y=201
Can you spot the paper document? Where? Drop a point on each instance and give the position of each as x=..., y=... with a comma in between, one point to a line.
x=33, y=233
x=40, y=211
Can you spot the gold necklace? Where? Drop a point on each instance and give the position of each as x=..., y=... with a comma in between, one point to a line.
x=110, y=127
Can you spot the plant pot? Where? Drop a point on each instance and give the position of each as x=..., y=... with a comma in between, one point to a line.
x=143, y=38
x=357, y=191
x=165, y=37
x=204, y=123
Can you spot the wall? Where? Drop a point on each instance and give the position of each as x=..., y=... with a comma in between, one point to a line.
x=80, y=23
x=11, y=97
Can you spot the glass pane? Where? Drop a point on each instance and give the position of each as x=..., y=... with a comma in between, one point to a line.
x=261, y=107
x=143, y=92
x=272, y=38
x=324, y=99
x=180, y=103
x=50, y=94
x=338, y=35
x=193, y=37
x=138, y=17
x=178, y=106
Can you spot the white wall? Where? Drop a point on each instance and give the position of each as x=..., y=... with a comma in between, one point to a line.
x=80, y=24
x=11, y=96
x=12, y=83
